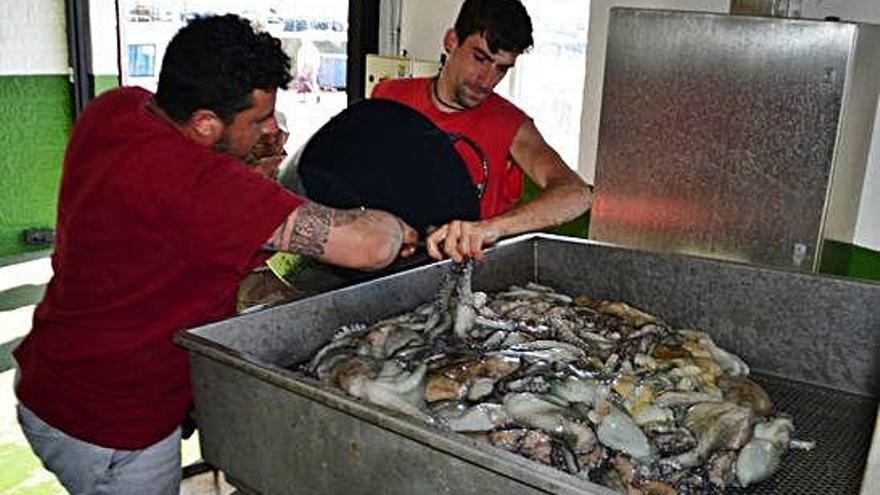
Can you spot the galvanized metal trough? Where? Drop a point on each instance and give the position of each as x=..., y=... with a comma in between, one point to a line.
x=812, y=341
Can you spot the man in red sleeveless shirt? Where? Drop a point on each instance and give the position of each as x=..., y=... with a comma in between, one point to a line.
x=488, y=37
x=159, y=218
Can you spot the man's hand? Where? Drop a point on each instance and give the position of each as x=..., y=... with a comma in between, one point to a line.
x=459, y=239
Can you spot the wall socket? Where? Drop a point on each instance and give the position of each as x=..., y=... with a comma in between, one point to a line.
x=39, y=236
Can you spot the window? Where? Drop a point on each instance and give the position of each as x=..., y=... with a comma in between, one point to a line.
x=141, y=60
x=312, y=32
x=548, y=82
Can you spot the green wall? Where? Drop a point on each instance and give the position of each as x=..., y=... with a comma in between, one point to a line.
x=577, y=227
x=839, y=258
x=103, y=83
x=35, y=122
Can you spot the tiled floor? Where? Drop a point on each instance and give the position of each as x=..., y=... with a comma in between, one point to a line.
x=21, y=286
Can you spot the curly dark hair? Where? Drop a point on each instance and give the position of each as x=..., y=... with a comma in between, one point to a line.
x=505, y=24
x=215, y=63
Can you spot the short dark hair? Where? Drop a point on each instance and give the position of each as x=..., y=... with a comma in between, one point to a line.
x=505, y=24
x=215, y=63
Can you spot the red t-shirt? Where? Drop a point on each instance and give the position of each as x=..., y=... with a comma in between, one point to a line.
x=154, y=234
x=492, y=124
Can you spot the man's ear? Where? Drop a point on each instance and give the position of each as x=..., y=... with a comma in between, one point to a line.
x=450, y=40
x=206, y=127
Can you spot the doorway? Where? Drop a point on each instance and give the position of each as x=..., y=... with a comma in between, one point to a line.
x=314, y=33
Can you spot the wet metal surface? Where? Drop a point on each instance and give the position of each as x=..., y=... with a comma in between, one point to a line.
x=810, y=328
x=841, y=425
x=279, y=432
x=718, y=134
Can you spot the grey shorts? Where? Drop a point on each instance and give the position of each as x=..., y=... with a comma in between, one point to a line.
x=85, y=468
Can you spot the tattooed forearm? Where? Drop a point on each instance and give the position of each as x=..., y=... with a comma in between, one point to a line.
x=307, y=231
x=362, y=239
x=345, y=217
x=310, y=230
x=304, y=232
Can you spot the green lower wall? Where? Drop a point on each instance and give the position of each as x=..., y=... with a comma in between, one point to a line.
x=579, y=227
x=103, y=83
x=35, y=122
x=839, y=258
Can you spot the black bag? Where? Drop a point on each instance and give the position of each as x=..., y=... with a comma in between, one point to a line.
x=385, y=155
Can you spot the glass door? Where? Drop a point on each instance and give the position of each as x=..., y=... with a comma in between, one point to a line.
x=314, y=33
x=548, y=82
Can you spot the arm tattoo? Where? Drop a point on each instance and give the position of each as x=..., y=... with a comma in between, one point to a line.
x=310, y=230
x=344, y=217
x=307, y=234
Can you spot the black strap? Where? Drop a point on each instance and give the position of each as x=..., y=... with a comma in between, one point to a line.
x=484, y=162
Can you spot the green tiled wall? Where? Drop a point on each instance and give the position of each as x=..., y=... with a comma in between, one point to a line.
x=35, y=121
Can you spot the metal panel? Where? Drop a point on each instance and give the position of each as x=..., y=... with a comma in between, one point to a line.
x=279, y=432
x=79, y=53
x=717, y=134
x=278, y=435
x=816, y=329
x=291, y=333
x=840, y=424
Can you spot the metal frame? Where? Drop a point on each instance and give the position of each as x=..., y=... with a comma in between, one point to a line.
x=79, y=43
x=363, y=38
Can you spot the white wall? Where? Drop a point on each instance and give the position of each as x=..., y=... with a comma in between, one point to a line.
x=423, y=24
x=867, y=232
x=32, y=37
x=103, y=20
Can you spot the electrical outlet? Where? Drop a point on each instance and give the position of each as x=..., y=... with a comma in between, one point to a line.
x=39, y=236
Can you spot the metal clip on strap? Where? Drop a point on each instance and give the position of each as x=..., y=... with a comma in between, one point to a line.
x=484, y=162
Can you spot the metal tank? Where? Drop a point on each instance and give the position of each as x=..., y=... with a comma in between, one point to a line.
x=812, y=342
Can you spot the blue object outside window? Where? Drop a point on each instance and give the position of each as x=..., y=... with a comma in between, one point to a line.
x=141, y=60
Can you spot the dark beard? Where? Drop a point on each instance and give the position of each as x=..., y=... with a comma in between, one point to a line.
x=224, y=143
x=459, y=98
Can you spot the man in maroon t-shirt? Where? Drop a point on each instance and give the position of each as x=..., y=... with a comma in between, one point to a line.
x=488, y=37
x=159, y=218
